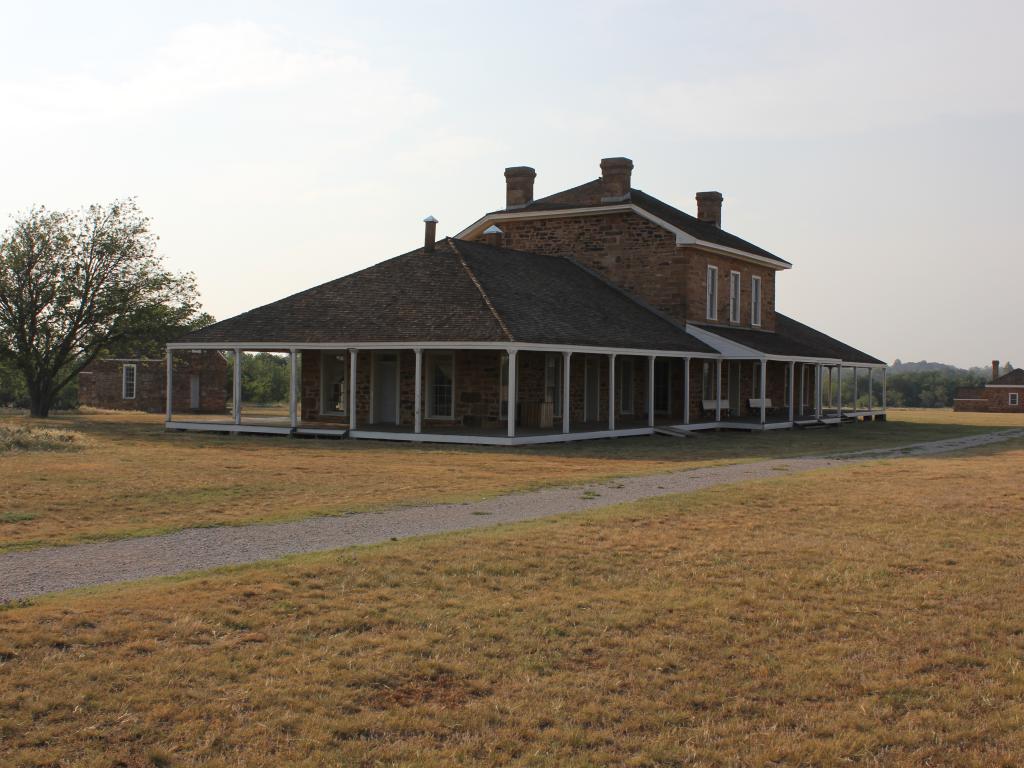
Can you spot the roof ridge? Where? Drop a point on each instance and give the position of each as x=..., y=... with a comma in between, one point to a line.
x=635, y=299
x=480, y=288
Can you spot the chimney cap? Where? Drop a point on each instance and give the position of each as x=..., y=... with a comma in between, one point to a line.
x=710, y=196
x=616, y=162
x=520, y=170
x=430, y=220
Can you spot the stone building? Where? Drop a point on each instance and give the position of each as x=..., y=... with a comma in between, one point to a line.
x=140, y=384
x=1004, y=394
x=596, y=311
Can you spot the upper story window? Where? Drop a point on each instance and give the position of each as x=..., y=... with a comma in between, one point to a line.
x=755, y=300
x=735, y=288
x=128, y=382
x=712, y=297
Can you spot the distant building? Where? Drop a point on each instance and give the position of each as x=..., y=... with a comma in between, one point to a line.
x=140, y=384
x=1004, y=394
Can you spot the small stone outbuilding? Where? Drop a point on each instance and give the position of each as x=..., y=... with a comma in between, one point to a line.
x=201, y=383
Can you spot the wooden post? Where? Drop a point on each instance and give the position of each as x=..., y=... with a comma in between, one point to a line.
x=293, y=411
x=884, y=404
x=237, y=387
x=839, y=389
x=650, y=391
x=686, y=390
x=170, y=385
x=611, y=392
x=871, y=393
x=764, y=392
x=792, y=391
x=817, y=390
x=803, y=387
x=417, y=408
x=513, y=384
x=353, y=360
x=718, y=389
x=566, y=401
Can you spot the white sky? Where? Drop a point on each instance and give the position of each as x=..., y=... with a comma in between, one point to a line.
x=876, y=145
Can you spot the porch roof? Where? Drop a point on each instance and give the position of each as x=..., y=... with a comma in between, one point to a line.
x=793, y=339
x=461, y=292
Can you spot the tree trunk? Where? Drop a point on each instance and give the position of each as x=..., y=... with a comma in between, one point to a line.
x=40, y=400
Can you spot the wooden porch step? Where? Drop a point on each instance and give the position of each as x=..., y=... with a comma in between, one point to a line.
x=672, y=432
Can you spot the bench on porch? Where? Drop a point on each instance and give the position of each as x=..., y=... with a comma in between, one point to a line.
x=708, y=406
x=755, y=403
x=537, y=415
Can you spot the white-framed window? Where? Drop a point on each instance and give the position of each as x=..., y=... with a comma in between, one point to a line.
x=624, y=383
x=334, y=382
x=662, y=385
x=712, y=295
x=441, y=385
x=128, y=381
x=553, y=381
x=1015, y=398
x=735, y=288
x=755, y=300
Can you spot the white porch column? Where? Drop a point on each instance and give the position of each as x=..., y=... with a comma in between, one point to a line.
x=611, y=392
x=856, y=388
x=650, y=391
x=170, y=385
x=817, y=390
x=718, y=389
x=792, y=391
x=513, y=385
x=353, y=359
x=293, y=411
x=871, y=394
x=566, y=400
x=839, y=389
x=417, y=409
x=884, y=373
x=236, y=394
x=686, y=390
x=764, y=392
x=803, y=387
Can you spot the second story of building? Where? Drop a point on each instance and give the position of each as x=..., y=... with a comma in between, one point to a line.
x=685, y=266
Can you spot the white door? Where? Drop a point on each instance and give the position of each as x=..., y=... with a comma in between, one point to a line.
x=195, y=392
x=385, y=388
x=592, y=387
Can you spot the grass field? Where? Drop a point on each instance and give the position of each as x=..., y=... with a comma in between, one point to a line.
x=131, y=478
x=867, y=615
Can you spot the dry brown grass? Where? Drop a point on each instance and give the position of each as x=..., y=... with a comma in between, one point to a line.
x=29, y=437
x=870, y=615
x=135, y=479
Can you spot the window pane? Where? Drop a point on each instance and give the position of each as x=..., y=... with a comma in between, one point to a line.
x=441, y=386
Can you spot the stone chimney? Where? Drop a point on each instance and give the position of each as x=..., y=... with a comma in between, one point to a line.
x=493, y=236
x=616, y=177
x=995, y=370
x=519, y=186
x=429, y=234
x=709, y=207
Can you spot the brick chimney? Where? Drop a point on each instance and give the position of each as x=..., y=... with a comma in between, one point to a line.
x=995, y=370
x=519, y=186
x=493, y=236
x=429, y=234
x=616, y=176
x=709, y=207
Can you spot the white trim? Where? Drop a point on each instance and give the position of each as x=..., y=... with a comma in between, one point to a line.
x=682, y=238
x=735, y=296
x=1004, y=386
x=124, y=381
x=711, y=293
x=1013, y=398
x=756, y=300
x=441, y=345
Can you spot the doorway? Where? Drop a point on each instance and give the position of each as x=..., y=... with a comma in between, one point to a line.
x=385, y=388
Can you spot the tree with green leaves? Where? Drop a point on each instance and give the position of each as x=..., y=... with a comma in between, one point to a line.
x=74, y=284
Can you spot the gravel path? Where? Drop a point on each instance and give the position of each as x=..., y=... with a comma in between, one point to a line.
x=39, y=571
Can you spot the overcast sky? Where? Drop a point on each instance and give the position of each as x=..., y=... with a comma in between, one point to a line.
x=876, y=145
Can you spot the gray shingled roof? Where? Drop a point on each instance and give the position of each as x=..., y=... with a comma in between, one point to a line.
x=589, y=196
x=462, y=291
x=1014, y=378
x=792, y=339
